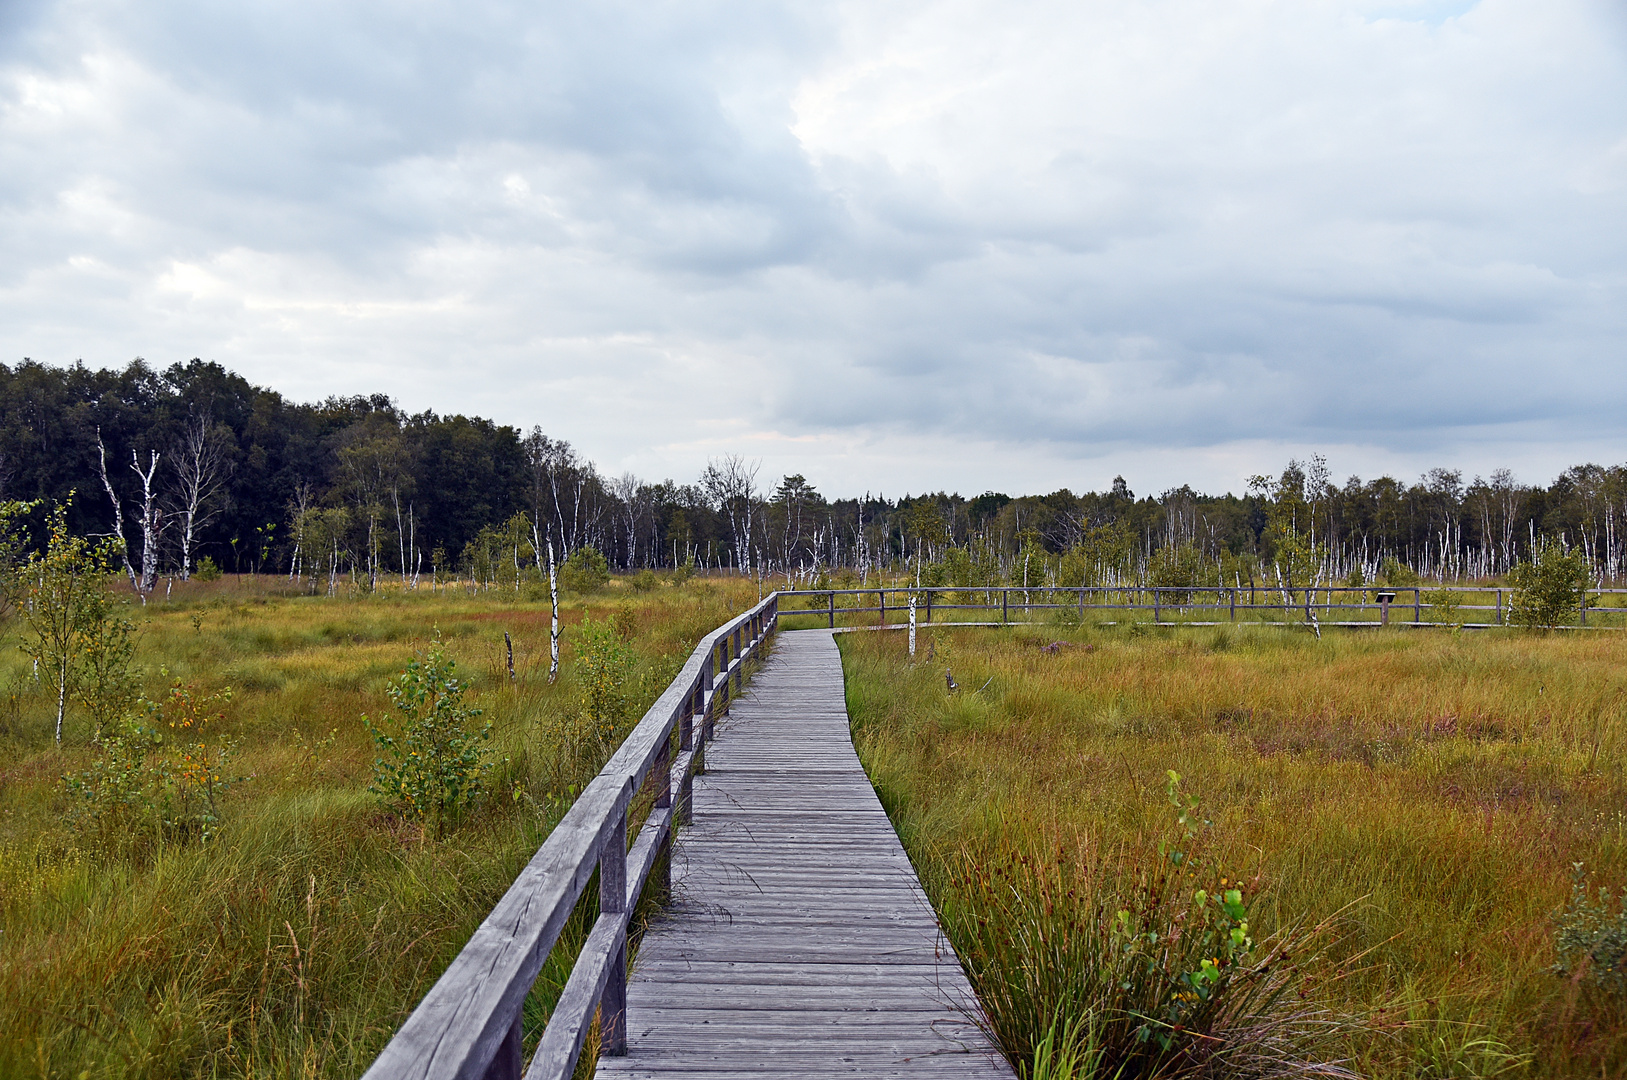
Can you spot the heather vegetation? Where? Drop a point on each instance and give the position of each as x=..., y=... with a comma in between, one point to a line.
x=1244, y=852
x=233, y=873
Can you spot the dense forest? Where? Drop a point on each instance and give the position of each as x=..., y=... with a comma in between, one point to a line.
x=194, y=463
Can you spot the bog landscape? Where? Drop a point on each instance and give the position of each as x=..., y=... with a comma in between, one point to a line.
x=1325, y=779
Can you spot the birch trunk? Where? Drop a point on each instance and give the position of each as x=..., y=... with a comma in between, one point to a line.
x=151, y=519
x=118, y=512
x=553, y=630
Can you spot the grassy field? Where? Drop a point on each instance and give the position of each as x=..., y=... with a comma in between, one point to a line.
x=1412, y=803
x=295, y=940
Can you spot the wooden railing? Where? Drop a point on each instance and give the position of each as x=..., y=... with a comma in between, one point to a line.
x=1328, y=603
x=468, y=1027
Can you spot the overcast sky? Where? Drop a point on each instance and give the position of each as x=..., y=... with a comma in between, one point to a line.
x=891, y=246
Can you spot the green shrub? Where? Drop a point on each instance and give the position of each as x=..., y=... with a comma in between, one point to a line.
x=603, y=662
x=1548, y=588
x=115, y=800
x=585, y=571
x=645, y=581
x=195, y=773
x=1179, y=566
x=208, y=570
x=164, y=781
x=432, y=764
x=1591, y=938
x=1444, y=604
x=1396, y=573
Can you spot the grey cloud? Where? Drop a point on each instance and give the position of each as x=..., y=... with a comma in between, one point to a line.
x=822, y=221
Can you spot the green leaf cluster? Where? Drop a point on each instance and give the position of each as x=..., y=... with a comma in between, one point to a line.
x=603, y=664
x=1590, y=937
x=432, y=761
x=585, y=571
x=74, y=628
x=1550, y=587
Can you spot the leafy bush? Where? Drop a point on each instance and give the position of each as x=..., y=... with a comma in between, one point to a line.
x=432, y=764
x=645, y=581
x=69, y=617
x=208, y=570
x=1179, y=566
x=585, y=571
x=1548, y=588
x=1444, y=603
x=1591, y=938
x=159, y=780
x=115, y=800
x=603, y=661
x=1395, y=573
x=195, y=772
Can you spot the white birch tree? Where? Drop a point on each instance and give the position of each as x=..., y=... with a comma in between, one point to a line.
x=202, y=465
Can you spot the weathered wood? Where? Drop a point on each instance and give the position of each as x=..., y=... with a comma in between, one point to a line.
x=464, y=1028
x=457, y=1029
x=561, y=1043
x=613, y=900
x=799, y=941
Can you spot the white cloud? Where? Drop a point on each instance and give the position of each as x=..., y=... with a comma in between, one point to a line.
x=893, y=246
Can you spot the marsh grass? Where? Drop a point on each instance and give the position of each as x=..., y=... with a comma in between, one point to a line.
x=1419, y=800
x=297, y=937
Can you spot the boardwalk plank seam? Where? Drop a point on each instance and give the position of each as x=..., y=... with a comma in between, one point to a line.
x=799, y=941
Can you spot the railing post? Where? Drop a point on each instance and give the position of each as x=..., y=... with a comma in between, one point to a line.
x=1005, y=605
x=1499, y=607
x=881, y=602
x=929, y=604
x=709, y=701
x=613, y=898
x=739, y=661
x=686, y=726
x=684, y=813
x=509, y=1061
x=1157, y=612
x=662, y=772
x=1233, y=591
x=1417, y=605
x=833, y=609
x=721, y=707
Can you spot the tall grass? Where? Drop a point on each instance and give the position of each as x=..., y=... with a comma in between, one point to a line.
x=1417, y=801
x=294, y=941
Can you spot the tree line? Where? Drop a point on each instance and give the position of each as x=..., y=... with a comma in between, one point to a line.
x=194, y=467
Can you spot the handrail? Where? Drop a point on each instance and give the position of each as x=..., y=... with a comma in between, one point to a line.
x=468, y=1027
x=1310, y=600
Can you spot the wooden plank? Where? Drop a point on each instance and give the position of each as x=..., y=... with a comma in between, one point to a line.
x=799, y=942
x=842, y=1060
x=803, y=1020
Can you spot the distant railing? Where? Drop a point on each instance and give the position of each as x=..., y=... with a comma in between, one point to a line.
x=1370, y=605
x=468, y=1027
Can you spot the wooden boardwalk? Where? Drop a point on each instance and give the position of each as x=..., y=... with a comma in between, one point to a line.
x=799, y=942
